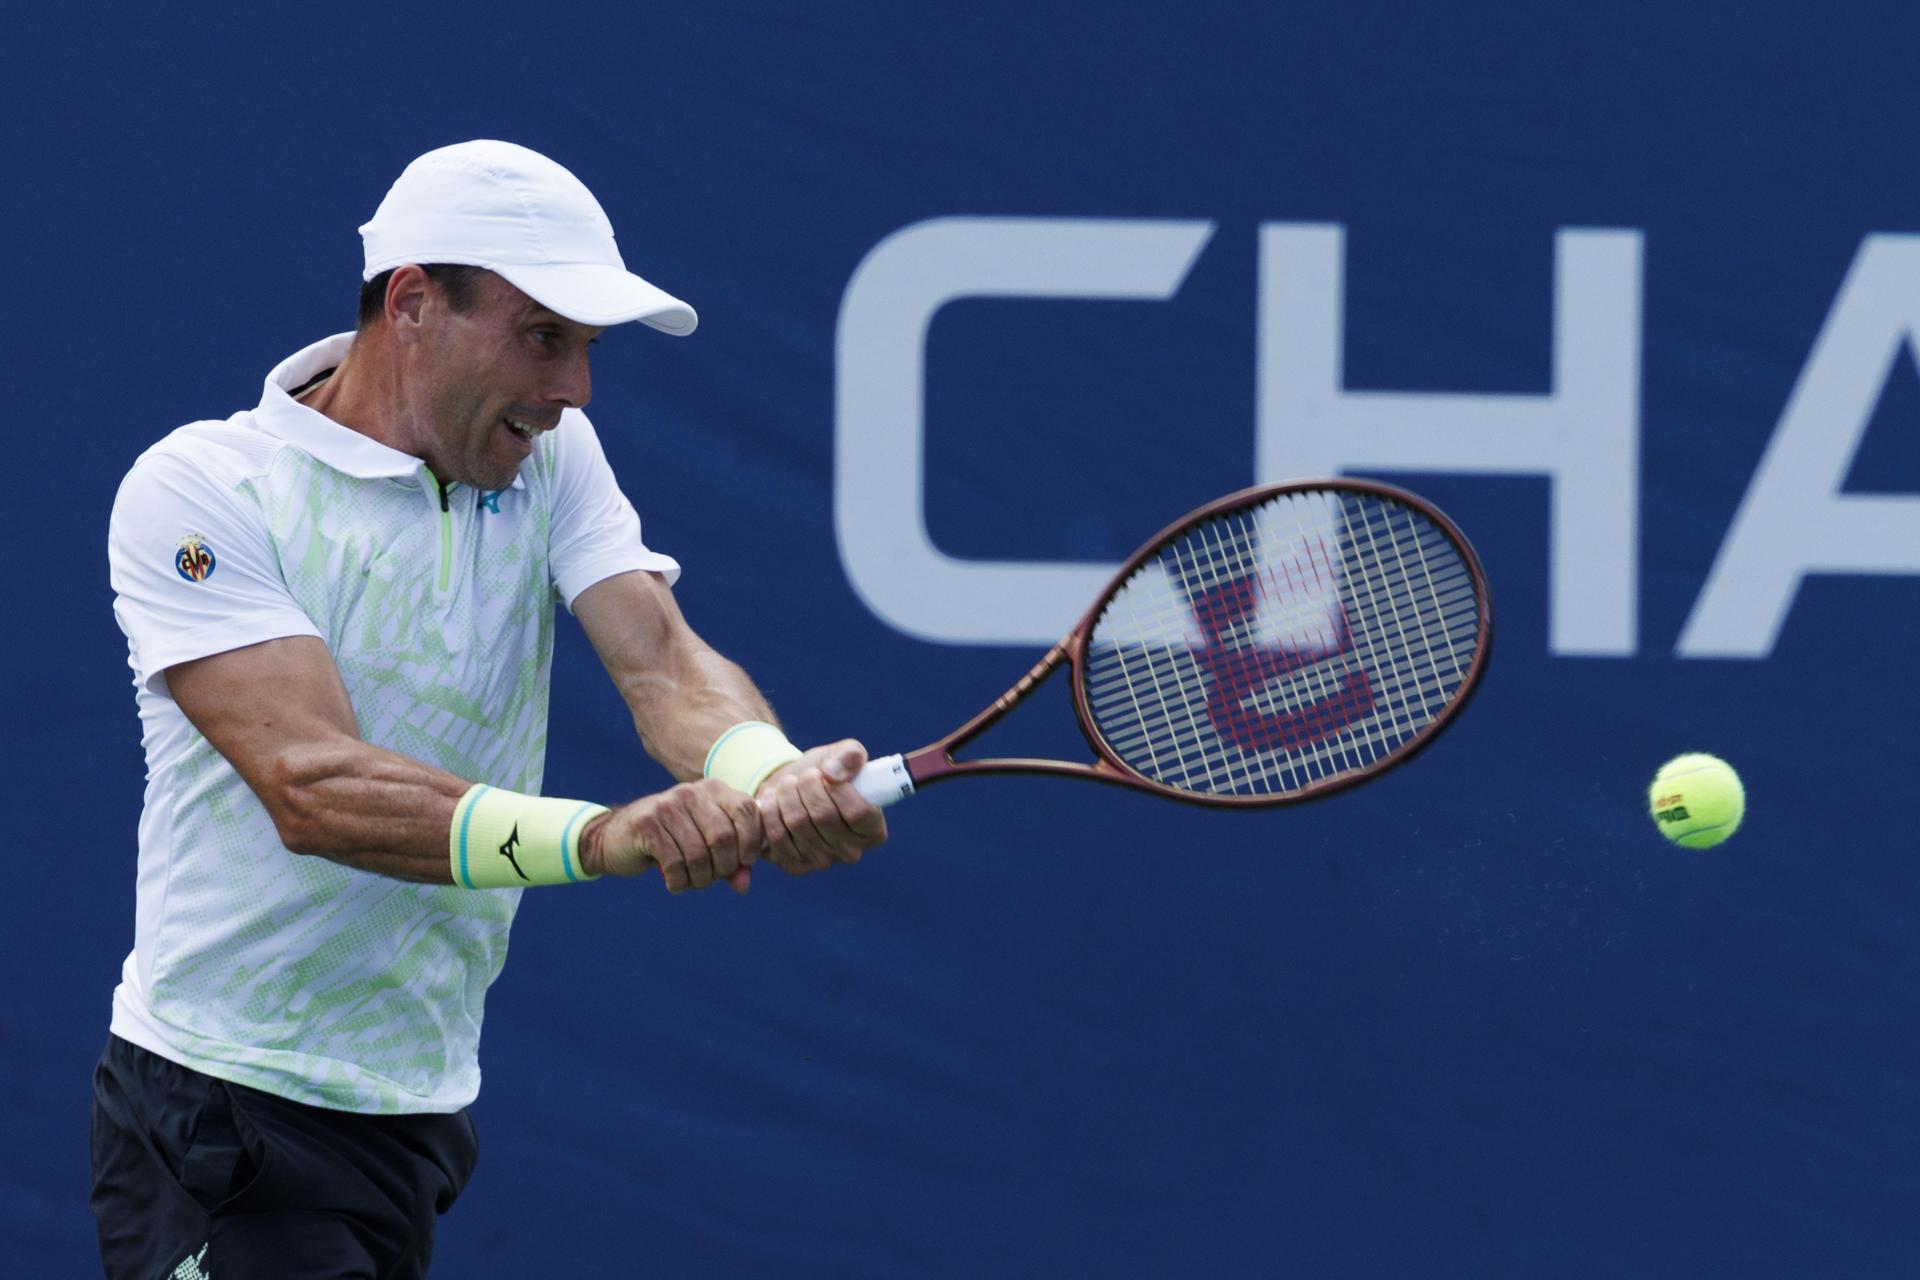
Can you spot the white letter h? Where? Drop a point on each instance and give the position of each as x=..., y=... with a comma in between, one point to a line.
x=1583, y=434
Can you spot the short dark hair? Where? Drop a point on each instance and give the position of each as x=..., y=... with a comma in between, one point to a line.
x=460, y=282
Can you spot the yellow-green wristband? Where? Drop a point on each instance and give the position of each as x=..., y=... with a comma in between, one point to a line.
x=505, y=840
x=744, y=755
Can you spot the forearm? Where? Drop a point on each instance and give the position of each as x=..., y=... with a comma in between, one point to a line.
x=684, y=696
x=679, y=714
x=681, y=693
x=381, y=812
x=365, y=807
x=279, y=712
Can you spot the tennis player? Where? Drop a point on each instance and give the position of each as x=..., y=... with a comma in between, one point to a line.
x=339, y=610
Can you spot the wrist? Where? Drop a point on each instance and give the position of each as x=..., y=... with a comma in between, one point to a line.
x=504, y=840
x=593, y=856
x=747, y=754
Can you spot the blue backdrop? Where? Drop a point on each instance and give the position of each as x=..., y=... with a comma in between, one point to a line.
x=1631, y=295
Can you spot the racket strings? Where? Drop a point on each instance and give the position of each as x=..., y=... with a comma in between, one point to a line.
x=1275, y=647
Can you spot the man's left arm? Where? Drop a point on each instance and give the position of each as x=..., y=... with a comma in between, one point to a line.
x=683, y=696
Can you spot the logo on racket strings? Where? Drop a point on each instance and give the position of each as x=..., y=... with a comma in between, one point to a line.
x=1243, y=670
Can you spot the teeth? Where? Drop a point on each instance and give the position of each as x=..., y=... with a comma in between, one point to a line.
x=521, y=429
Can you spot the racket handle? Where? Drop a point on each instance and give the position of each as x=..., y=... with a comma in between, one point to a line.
x=884, y=781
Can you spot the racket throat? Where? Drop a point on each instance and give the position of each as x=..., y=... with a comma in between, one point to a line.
x=997, y=710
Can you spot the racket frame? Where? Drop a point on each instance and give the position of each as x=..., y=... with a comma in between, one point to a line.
x=935, y=762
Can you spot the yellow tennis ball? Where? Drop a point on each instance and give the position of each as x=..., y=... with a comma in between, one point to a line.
x=1697, y=800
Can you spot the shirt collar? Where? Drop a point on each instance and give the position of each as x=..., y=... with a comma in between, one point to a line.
x=337, y=445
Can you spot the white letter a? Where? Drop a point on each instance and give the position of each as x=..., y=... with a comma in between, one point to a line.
x=1794, y=519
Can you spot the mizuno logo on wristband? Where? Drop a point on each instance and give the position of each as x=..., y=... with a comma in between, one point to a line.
x=506, y=851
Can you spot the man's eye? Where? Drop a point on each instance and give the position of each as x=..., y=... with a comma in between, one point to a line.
x=545, y=337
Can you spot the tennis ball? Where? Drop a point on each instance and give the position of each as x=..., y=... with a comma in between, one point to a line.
x=1697, y=800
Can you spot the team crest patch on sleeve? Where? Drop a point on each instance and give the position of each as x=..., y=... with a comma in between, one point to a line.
x=194, y=560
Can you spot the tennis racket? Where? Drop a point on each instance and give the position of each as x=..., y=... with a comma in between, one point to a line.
x=1273, y=646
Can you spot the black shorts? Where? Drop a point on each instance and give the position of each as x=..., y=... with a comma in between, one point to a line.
x=193, y=1176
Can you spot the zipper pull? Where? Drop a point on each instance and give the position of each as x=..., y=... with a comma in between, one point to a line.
x=444, y=487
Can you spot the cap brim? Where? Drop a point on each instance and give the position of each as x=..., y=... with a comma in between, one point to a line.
x=591, y=293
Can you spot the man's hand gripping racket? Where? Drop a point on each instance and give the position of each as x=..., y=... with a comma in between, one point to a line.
x=1275, y=645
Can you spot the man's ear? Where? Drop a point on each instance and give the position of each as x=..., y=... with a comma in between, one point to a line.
x=407, y=290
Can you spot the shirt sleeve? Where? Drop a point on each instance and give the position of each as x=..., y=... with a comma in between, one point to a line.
x=595, y=532
x=194, y=571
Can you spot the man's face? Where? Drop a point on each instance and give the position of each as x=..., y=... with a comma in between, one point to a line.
x=481, y=385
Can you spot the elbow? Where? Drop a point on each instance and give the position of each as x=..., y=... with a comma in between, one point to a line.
x=298, y=823
x=297, y=833
x=294, y=794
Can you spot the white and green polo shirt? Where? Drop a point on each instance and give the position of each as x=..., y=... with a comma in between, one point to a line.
x=298, y=975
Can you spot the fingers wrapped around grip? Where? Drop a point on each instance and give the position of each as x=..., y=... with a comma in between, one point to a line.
x=807, y=816
x=813, y=816
x=695, y=833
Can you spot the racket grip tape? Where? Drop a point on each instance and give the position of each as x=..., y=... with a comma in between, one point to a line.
x=884, y=781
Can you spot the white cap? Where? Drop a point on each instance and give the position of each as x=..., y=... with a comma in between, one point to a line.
x=523, y=217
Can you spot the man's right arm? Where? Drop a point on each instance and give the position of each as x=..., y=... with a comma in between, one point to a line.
x=279, y=712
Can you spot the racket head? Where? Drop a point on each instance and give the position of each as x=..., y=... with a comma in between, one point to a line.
x=1282, y=643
